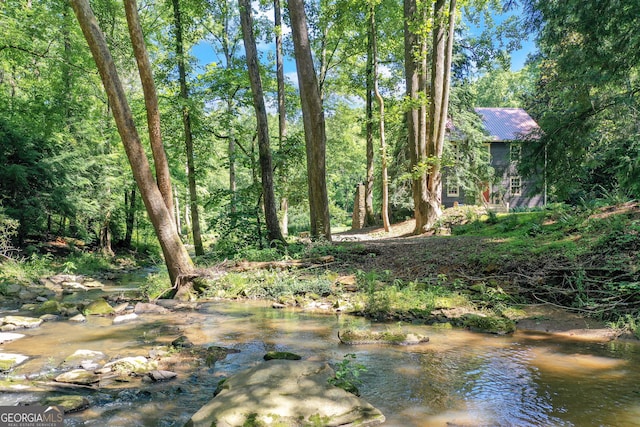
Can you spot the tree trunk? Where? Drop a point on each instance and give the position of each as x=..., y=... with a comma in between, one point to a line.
x=105, y=236
x=163, y=176
x=177, y=213
x=282, y=114
x=314, y=126
x=231, y=149
x=383, y=141
x=440, y=76
x=130, y=208
x=188, y=135
x=415, y=58
x=176, y=257
x=264, y=151
x=369, y=218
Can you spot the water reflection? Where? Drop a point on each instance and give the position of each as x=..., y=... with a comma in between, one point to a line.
x=457, y=379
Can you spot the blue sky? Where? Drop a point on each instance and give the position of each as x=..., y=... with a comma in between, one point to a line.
x=206, y=54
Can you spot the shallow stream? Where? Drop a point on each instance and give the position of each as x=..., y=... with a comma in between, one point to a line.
x=459, y=378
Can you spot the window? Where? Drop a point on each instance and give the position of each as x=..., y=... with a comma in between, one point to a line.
x=456, y=155
x=515, y=186
x=515, y=151
x=453, y=190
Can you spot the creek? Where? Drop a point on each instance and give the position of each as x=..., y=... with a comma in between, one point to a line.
x=459, y=378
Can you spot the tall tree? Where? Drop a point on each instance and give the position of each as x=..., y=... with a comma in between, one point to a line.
x=264, y=150
x=314, y=124
x=151, y=102
x=415, y=48
x=587, y=98
x=223, y=27
x=368, y=197
x=282, y=111
x=188, y=134
x=426, y=158
x=177, y=259
x=383, y=142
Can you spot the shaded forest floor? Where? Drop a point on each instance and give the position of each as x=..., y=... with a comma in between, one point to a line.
x=571, y=271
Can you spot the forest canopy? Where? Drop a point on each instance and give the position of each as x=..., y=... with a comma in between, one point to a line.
x=63, y=170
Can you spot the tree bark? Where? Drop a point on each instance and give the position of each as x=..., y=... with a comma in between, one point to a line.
x=443, y=32
x=264, y=150
x=105, y=236
x=369, y=218
x=188, y=135
x=383, y=142
x=163, y=176
x=176, y=257
x=314, y=125
x=130, y=209
x=282, y=113
x=415, y=63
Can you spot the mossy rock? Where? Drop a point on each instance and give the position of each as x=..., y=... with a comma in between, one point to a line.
x=49, y=307
x=10, y=361
x=68, y=404
x=490, y=324
x=358, y=337
x=281, y=355
x=99, y=307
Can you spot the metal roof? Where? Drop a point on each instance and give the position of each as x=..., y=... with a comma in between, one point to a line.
x=507, y=124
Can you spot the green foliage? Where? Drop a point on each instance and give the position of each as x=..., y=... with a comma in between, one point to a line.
x=398, y=299
x=8, y=231
x=271, y=285
x=501, y=87
x=586, y=98
x=28, y=270
x=155, y=285
x=347, y=375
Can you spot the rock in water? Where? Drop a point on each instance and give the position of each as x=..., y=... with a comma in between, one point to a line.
x=69, y=404
x=145, y=307
x=98, y=307
x=78, y=376
x=138, y=365
x=287, y=393
x=22, y=321
x=124, y=318
x=85, y=359
x=9, y=361
x=161, y=375
x=359, y=337
x=8, y=336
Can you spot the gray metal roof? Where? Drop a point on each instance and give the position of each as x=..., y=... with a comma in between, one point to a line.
x=507, y=124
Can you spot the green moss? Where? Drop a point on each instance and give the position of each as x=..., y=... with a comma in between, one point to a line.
x=281, y=355
x=49, y=307
x=491, y=324
x=98, y=307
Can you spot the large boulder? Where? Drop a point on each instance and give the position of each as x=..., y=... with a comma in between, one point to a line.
x=285, y=393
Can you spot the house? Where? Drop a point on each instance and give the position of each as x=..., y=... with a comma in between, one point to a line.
x=506, y=129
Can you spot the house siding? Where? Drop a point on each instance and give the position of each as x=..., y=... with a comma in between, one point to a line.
x=499, y=193
x=504, y=126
